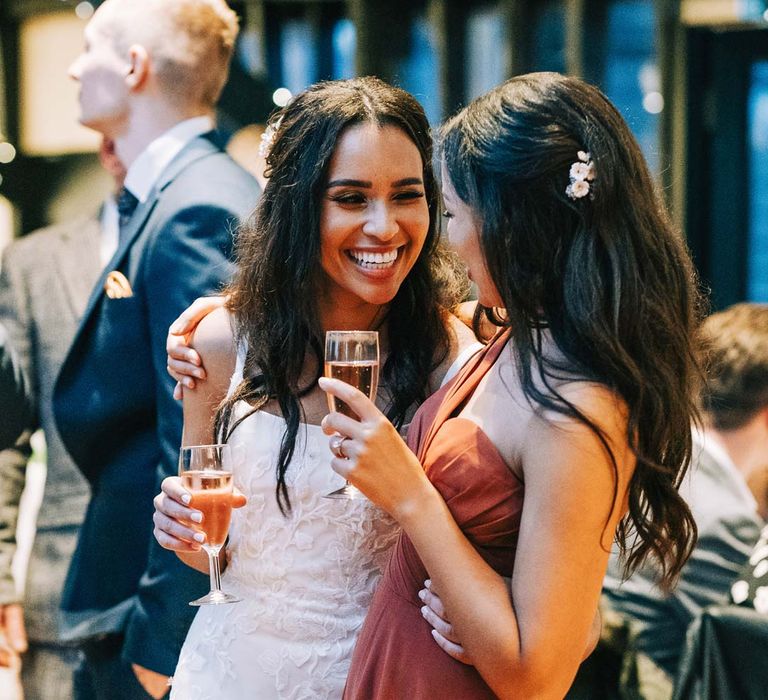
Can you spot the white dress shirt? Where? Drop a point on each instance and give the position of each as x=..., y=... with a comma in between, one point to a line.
x=110, y=227
x=147, y=168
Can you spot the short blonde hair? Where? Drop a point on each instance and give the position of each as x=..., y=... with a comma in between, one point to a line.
x=190, y=42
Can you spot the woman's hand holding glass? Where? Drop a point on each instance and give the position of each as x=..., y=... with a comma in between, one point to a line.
x=375, y=459
x=177, y=524
x=205, y=473
x=353, y=357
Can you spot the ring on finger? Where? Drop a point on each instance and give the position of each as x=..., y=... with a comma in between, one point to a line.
x=337, y=446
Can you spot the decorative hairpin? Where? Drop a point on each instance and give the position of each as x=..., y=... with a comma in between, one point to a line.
x=268, y=137
x=582, y=174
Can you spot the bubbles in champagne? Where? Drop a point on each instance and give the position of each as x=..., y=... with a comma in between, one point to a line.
x=363, y=375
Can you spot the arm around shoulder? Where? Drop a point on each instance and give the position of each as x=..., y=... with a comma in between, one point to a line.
x=213, y=340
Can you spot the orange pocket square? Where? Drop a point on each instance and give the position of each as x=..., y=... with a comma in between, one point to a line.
x=117, y=286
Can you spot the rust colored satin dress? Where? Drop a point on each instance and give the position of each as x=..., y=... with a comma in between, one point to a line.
x=396, y=657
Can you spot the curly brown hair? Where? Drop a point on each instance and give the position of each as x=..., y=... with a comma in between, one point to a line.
x=274, y=294
x=607, y=275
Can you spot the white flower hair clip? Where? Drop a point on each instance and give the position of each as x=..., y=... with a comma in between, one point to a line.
x=268, y=137
x=582, y=174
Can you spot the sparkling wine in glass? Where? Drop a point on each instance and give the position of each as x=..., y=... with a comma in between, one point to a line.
x=352, y=357
x=206, y=472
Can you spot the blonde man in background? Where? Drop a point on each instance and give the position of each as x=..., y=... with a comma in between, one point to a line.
x=149, y=77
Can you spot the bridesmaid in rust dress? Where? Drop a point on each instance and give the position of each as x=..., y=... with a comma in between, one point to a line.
x=570, y=429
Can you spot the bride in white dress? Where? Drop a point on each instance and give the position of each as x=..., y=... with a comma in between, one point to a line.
x=343, y=238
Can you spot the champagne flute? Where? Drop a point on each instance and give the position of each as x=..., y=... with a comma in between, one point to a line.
x=206, y=472
x=352, y=357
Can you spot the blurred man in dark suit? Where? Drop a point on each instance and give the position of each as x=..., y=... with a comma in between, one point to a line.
x=45, y=280
x=150, y=75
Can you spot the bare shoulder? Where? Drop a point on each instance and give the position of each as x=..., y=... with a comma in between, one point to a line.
x=605, y=407
x=571, y=437
x=564, y=455
x=213, y=339
x=460, y=337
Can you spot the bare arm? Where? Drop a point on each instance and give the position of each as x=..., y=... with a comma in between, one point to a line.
x=174, y=520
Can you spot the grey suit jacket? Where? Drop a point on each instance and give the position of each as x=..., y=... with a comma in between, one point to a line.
x=45, y=280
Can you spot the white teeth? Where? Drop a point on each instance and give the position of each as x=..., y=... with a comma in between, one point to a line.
x=375, y=261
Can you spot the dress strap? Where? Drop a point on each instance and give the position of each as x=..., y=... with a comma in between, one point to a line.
x=464, y=385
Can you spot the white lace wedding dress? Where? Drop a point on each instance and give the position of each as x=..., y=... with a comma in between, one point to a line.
x=305, y=580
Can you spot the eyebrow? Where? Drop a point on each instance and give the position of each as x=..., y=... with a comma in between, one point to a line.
x=367, y=184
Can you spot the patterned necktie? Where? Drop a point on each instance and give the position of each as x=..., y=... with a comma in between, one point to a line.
x=126, y=205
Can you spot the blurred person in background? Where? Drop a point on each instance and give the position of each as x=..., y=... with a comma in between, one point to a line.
x=15, y=412
x=149, y=77
x=45, y=280
x=730, y=449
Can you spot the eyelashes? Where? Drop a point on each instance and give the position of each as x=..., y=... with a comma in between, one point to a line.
x=413, y=194
x=358, y=198
x=347, y=198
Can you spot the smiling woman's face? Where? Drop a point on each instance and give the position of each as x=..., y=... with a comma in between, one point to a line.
x=375, y=216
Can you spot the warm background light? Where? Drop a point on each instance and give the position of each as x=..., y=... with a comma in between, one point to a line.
x=48, y=99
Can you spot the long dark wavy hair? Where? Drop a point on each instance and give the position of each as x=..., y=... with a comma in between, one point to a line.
x=274, y=295
x=606, y=275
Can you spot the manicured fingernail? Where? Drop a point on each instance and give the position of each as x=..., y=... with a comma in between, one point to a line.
x=423, y=594
x=428, y=583
x=424, y=611
x=186, y=498
x=197, y=517
x=200, y=537
x=323, y=381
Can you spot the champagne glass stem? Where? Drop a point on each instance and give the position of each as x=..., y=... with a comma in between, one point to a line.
x=214, y=568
